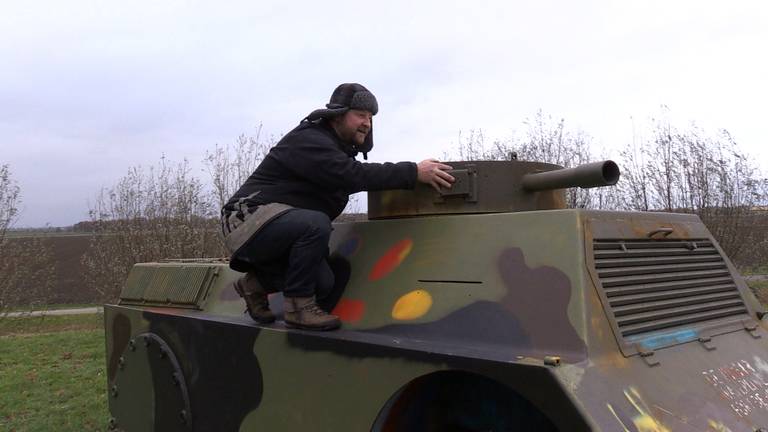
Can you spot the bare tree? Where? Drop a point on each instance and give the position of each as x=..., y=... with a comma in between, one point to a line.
x=544, y=140
x=9, y=197
x=162, y=212
x=472, y=147
x=230, y=165
x=691, y=171
x=633, y=188
x=25, y=262
x=548, y=140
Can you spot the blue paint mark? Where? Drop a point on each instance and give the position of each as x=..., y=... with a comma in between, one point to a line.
x=665, y=339
x=349, y=247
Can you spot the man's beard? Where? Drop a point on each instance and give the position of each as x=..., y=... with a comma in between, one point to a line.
x=361, y=136
x=353, y=136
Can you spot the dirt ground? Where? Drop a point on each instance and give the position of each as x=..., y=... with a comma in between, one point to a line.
x=67, y=251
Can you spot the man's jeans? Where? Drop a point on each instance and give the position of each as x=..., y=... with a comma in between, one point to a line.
x=289, y=254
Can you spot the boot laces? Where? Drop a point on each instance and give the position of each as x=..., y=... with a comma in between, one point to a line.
x=313, y=308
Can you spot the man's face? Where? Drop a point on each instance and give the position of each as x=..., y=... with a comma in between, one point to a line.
x=354, y=126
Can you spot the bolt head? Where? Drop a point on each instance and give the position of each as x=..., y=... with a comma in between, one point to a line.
x=183, y=416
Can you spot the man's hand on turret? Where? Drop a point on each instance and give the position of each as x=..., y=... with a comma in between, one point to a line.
x=432, y=172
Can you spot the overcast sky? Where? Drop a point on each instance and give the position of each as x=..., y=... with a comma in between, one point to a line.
x=89, y=89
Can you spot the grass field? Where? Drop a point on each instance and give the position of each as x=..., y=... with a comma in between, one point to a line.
x=760, y=270
x=52, y=374
x=50, y=307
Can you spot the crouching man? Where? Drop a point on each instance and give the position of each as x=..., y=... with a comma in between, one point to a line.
x=277, y=225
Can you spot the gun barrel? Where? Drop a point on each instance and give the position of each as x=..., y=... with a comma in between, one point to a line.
x=596, y=174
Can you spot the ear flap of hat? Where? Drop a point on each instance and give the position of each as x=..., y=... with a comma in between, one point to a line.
x=368, y=143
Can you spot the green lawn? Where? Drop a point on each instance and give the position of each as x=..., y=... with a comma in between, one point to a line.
x=759, y=270
x=52, y=374
x=51, y=307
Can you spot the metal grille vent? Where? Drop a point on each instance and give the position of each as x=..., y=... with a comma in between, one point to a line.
x=168, y=285
x=659, y=284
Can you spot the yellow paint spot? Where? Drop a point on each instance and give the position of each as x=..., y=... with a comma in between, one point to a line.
x=644, y=421
x=718, y=426
x=412, y=305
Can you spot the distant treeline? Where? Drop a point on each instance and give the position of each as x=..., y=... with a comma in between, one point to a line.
x=163, y=211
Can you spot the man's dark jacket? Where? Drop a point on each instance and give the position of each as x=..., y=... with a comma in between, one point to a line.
x=312, y=168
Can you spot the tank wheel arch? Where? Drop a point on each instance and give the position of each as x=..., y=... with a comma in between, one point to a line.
x=458, y=400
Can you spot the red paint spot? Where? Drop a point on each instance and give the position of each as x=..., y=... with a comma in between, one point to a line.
x=349, y=311
x=391, y=259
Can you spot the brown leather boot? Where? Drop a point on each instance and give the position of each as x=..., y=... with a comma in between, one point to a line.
x=304, y=313
x=255, y=299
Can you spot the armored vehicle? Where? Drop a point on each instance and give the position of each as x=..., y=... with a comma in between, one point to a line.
x=489, y=307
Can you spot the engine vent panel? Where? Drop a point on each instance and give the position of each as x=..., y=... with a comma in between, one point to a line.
x=169, y=285
x=654, y=288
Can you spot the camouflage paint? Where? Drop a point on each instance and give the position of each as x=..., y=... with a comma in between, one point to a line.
x=506, y=291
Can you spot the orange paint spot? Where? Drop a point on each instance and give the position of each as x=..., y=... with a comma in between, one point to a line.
x=391, y=259
x=349, y=311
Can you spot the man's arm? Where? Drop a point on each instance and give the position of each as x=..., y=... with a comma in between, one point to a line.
x=320, y=161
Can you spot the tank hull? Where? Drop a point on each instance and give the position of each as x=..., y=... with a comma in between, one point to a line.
x=535, y=312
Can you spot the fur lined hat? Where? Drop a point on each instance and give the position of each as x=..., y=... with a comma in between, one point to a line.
x=349, y=96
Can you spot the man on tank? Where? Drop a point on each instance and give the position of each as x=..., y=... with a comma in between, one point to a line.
x=277, y=225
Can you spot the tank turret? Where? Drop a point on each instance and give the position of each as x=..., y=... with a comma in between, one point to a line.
x=493, y=187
